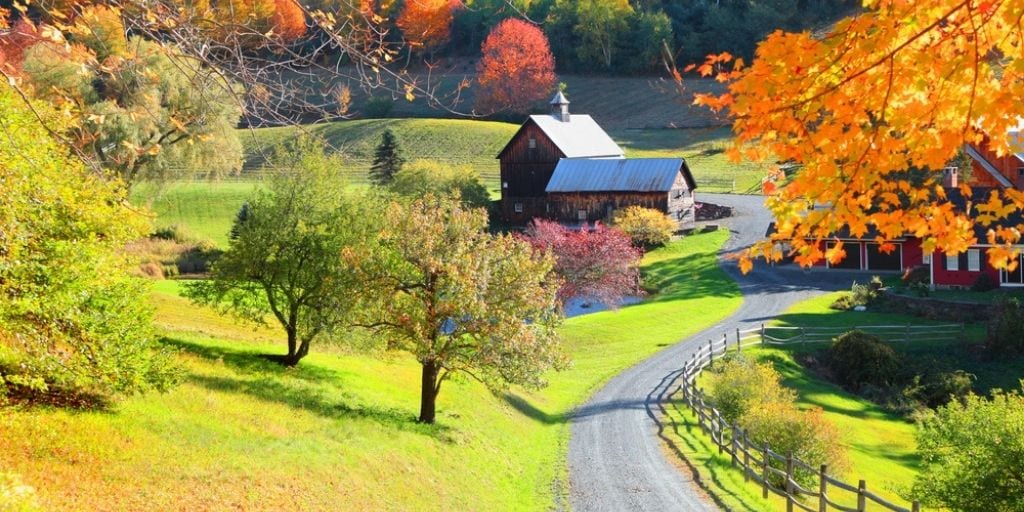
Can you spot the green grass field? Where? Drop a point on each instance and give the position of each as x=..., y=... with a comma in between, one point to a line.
x=337, y=432
x=880, y=445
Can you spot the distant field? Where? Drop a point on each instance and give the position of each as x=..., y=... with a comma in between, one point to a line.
x=338, y=432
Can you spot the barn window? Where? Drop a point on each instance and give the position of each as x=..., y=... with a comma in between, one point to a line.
x=533, y=143
x=952, y=262
x=547, y=207
x=581, y=214
x=519, y=207
x=973, y=260
x=504, y=184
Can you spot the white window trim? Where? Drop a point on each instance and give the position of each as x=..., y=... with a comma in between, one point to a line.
x=518, y=207
x=973, y=260
x=581, y=214
x=532, y=143
x=926, y=258
x=953, y=262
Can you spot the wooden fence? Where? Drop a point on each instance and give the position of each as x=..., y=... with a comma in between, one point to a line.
x=775, y=472
x=890, y=333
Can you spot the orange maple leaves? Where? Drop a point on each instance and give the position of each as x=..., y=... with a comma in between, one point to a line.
x=873, y=111
x=516, y=69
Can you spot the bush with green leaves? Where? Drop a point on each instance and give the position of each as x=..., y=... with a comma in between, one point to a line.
x=72, y=319
x=421, y=178
x=647, y=227
x=857, y=359
x=973, y=454
x=1006, y=328
x=935, y=389
x=737, y=384
x=984, y=283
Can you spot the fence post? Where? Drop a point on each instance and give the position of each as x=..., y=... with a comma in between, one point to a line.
x=906, y=338
x=762, y=334
x=822, y=489
x=735, y=454
x=789, y=482
x=718, y=423
x=803, y=334
x=764, y=472
x=739, y=344
x=725, y=344
x=915, y=506
x=746, y=456
x=711, y=352
x=861, y=503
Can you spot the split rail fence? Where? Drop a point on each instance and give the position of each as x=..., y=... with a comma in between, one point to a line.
x=775, y=472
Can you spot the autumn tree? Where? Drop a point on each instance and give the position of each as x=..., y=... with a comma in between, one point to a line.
x=72, y=319
x=284, y=257
x=646, y=227
x=387, y=159
x=426, y=177
x=598, y=264
x=516, y=69
x=901, y=85
x=426, y=24
x=461, y=300
x=143, y=111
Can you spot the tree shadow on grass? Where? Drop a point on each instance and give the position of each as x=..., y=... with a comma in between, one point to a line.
x=530, y=411
x=308, y=387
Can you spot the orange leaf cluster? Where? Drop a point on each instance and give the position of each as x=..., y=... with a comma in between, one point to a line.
x=899, y=88
x=426, y=24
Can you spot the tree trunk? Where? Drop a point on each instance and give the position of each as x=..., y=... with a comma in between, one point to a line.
x=428, y=391
x=293, y=356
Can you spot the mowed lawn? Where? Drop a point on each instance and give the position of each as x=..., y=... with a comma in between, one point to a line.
x=880, y=446
x=338, y=431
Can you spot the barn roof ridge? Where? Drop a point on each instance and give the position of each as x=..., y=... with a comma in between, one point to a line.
x=579, y=137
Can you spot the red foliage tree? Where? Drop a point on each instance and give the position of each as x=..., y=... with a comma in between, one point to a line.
x=599, y=264
x=516, y=69
x=426, y=24
x=288, y=20
x=14, y=43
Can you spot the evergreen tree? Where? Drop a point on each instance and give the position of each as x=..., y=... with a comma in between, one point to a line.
x=387, y=160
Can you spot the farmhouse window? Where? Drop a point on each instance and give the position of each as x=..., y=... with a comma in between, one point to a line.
x=926, y=258
x=581, y=214
x=952, y=262
x=519, y=207
x=973, y=260
x=533, y=143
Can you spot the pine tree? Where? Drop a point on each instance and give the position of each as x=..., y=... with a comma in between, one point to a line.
x=387, y=160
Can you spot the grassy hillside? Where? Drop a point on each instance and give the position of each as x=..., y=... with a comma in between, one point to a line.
x=337, y=432
x=880, y=445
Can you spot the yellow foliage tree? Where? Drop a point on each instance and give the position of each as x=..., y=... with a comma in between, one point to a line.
x=900, y=86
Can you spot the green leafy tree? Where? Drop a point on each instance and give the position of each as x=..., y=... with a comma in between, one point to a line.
x=72, y=319
x=387, y=159
x=973, y=454
x=601, y=25
x=461, y=300
x=145, y=112
x=423, y=177
x=285, y=258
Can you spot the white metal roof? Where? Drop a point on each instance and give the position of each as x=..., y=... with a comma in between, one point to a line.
x=617, y=175
x=580, y=137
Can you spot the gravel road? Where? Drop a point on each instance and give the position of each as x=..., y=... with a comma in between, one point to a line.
x=616, y=457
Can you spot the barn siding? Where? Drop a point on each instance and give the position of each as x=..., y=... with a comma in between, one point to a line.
x=525, y=173
x=1007, y=165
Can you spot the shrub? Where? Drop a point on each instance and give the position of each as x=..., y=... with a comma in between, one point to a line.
x=857, y=358
x=1006, y=328
x=938, y=388
x=843, y=303
x=378, y=107
x=645, y=226
x=915, y=275
x=807, y=435
x=152, y=270
x=738, y=384
x=971, y=454
x=984, y=283
x=859, y=295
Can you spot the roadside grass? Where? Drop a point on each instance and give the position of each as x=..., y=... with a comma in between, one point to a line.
x=880, y=445
x=338, y=431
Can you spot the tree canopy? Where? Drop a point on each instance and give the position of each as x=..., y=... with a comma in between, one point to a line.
x=901, y=86
x=516, y=70
x=459, y=299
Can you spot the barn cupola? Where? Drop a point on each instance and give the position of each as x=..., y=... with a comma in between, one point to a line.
x=560, y=107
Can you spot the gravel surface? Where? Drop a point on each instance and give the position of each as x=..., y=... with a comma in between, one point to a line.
x=617, y=459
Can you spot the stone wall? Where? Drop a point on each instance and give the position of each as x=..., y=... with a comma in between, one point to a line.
x=937, y=309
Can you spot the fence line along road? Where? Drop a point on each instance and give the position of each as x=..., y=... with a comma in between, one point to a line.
x=779, y=473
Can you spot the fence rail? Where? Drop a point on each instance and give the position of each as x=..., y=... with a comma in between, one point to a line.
x=782, y=474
